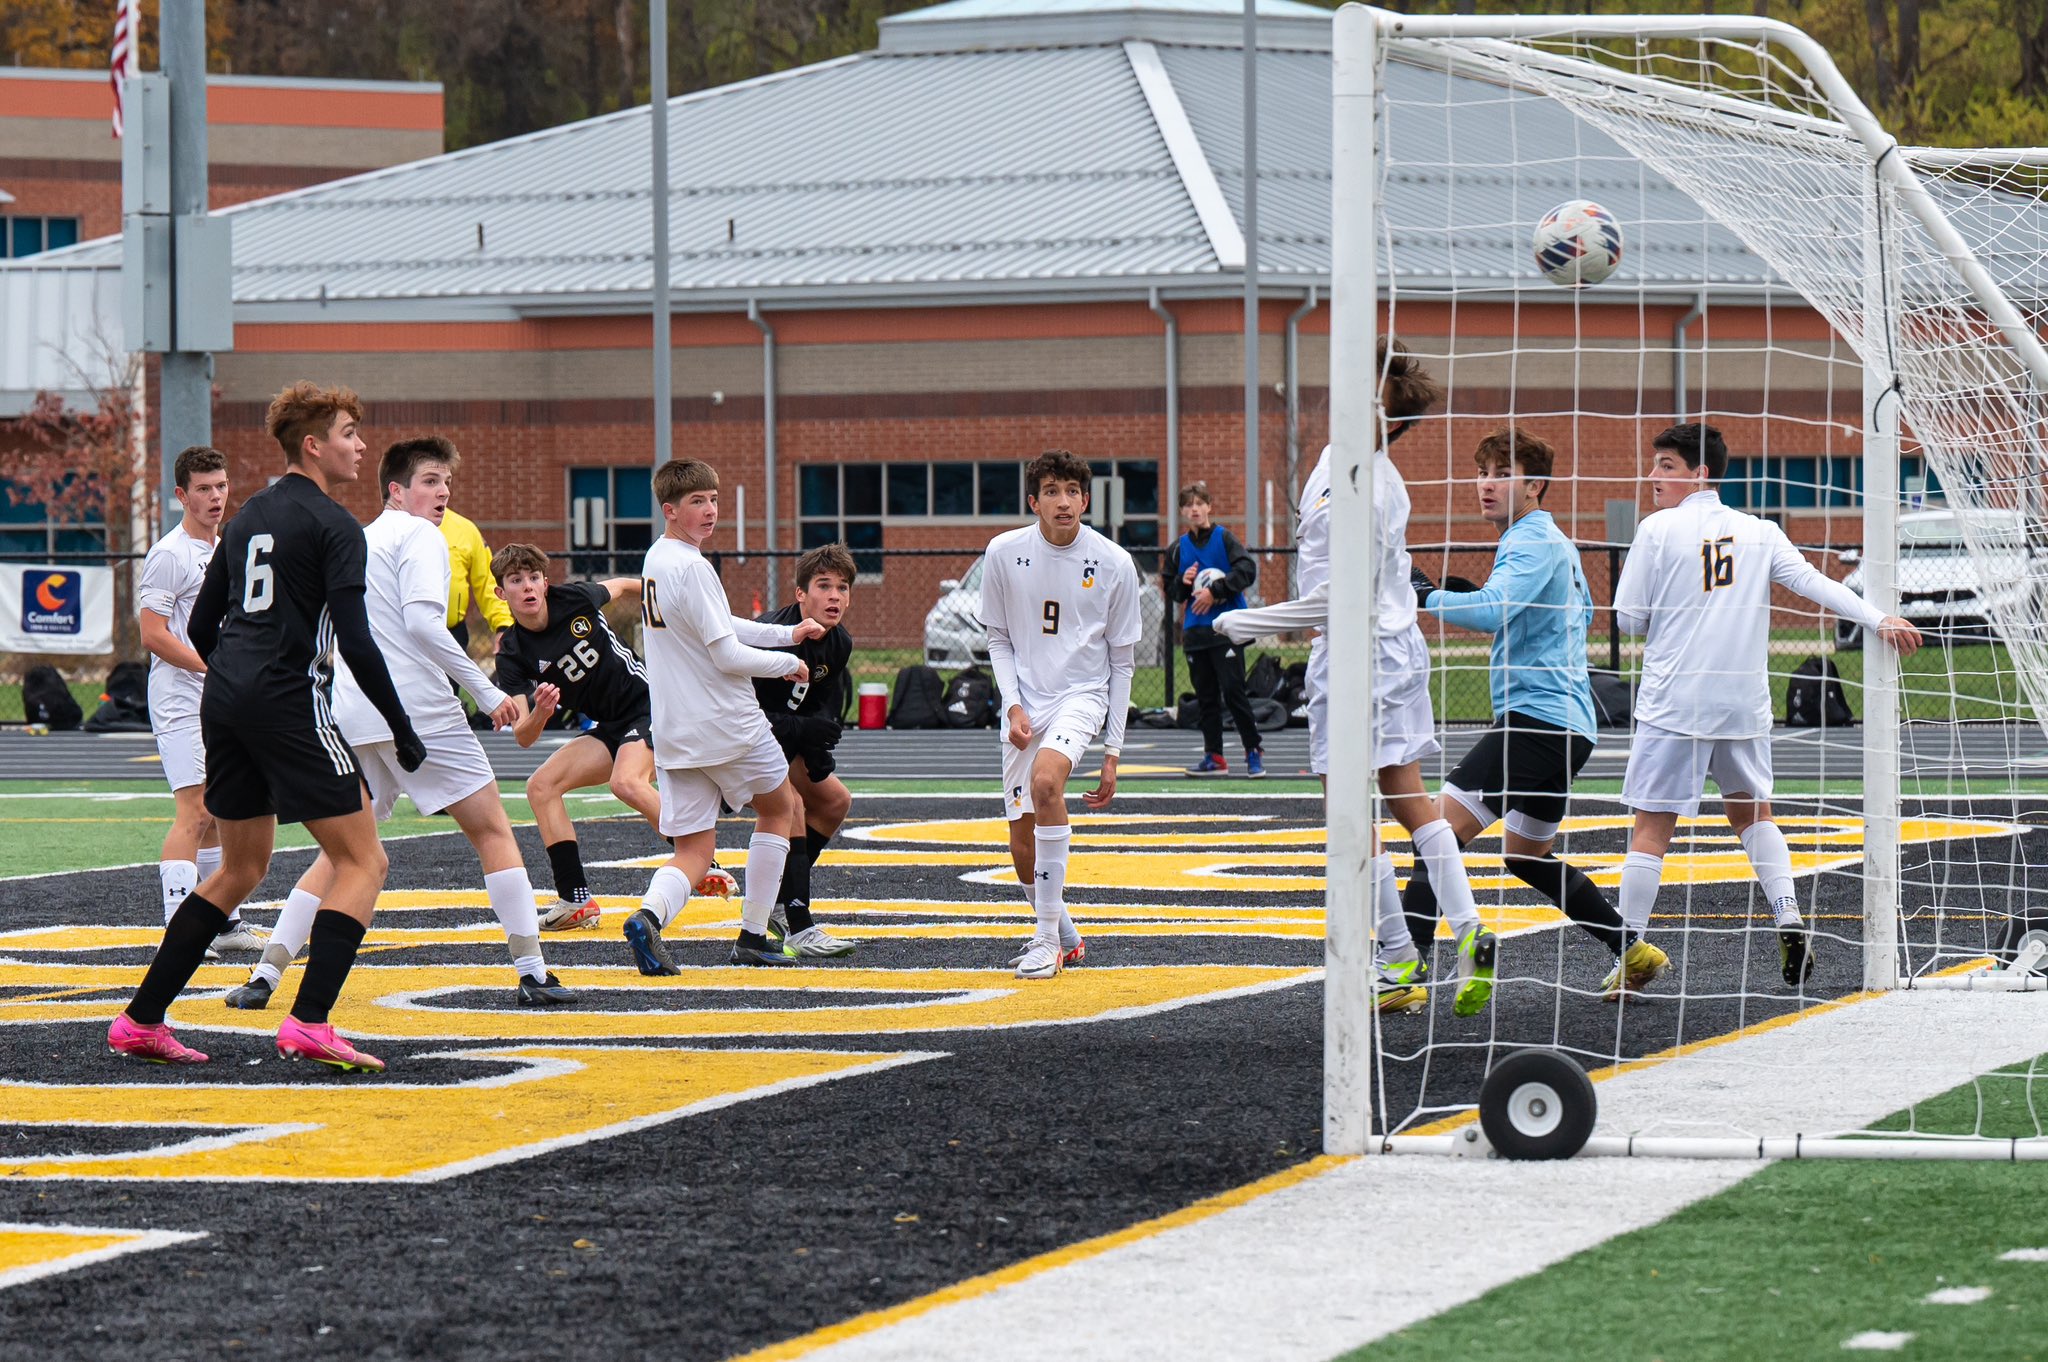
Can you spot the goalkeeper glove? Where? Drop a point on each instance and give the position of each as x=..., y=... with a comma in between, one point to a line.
x=410, y=751
x=1419, y=579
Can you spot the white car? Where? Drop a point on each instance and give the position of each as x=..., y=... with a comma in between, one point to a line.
x=1941, y=587
x=954, y=638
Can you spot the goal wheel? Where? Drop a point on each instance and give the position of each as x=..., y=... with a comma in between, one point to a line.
x=1537, y=1104
x=2030, y=927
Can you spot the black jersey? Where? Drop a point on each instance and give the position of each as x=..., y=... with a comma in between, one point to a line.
x=598, y=675
x=825, y=693
x=288, y=564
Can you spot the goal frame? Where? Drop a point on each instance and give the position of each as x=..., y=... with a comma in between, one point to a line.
x=1350, y=1022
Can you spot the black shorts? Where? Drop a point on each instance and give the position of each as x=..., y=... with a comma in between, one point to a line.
x=1524, y=765
x=616, y=733
x=808, y=738
x=296, y=774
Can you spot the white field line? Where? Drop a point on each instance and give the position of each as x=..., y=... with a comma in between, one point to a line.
x=1876, y=1341
x=1164, y=1297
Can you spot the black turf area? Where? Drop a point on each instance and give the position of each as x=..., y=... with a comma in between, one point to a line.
x=761, y=1221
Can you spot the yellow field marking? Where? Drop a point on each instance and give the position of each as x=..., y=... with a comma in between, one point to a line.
x=407, y=1001
x=29, y=1252
x=1044, y=1262
x=370, y=1128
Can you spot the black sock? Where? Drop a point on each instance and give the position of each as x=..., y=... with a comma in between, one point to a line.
x=331, y=952
x=1418, y=905
x=1568, y=888
x=190, y=931
x=793, y=896
x=567, y=860
x=753, y=940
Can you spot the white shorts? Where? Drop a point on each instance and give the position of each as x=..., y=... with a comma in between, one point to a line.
x=455, y=769
x=1668, y=772
x=1067, y=729
x=690, y=799
x=184, y=755
x=1403, y=725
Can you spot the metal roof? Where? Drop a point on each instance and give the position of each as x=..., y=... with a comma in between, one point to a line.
x=1030, y=170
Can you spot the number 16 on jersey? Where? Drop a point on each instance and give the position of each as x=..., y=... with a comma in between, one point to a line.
x=1717, y=564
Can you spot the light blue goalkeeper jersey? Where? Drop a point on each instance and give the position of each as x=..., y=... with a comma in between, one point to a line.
x=1537, y=608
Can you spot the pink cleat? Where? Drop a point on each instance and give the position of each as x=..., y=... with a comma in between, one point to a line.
x=1076, y=956
x=155, y=1044
x=297, y=1040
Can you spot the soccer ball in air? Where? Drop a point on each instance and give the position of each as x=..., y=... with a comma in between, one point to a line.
x=1577, y=243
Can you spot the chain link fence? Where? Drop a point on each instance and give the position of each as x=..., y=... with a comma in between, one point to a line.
x=921, y=606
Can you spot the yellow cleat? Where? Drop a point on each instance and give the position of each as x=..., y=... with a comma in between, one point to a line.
x=1637, y=969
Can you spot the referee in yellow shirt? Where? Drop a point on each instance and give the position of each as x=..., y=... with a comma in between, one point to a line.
x=469, y=579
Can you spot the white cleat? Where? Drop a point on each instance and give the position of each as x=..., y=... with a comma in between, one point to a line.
x=241, y=937
x=815, y=943
x=565, y=915
x=1042, y=961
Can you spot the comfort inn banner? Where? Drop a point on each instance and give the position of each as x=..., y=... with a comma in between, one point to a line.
x=56, y=609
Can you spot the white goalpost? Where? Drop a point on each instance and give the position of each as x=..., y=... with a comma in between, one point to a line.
x=1866, y=322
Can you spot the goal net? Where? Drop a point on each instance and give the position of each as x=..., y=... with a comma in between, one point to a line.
x=1863, y=323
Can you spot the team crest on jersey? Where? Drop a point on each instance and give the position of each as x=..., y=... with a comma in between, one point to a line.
x=818, y=672
x=1088, y=567
x=580, y=626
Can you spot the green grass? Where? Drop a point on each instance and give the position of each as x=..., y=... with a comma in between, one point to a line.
x=1791, y=1262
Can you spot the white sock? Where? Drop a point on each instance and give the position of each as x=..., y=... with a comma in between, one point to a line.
x=1396, y=943
x=294, y=928
x=1049, y=894
x=208, y=862
x=1641, y=873
x=1438, y=847
x=511, y=896
x=179, y=879
x=1772, y=861
x=767, y=855
x=666, y=894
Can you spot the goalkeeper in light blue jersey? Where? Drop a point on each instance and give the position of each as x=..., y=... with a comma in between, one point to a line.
x=1536, y=606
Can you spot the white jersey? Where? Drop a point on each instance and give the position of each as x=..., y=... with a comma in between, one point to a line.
x=1391, y=573
x=170, y=580
x=1698, y=583
x=703, y=715
x=408, y=561
x=1064, y=608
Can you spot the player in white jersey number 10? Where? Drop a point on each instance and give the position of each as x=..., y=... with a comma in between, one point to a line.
x=1697, y=584
x=1061, y=605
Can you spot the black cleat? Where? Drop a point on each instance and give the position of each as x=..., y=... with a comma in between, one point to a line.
x=1795, y=955
x=253, y=996
x=650, y=952
x=748, y=955
x=543, y=992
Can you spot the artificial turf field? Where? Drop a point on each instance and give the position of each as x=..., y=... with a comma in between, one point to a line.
x=715, y=1164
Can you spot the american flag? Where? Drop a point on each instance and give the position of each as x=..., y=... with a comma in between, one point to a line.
x=127, y=39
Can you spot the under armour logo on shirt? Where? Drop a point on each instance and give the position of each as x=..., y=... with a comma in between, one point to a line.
x=1023, y=562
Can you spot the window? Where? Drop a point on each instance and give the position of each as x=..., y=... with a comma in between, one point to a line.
x=27, y=531
x=21, y=236
x=843, y=503
x=1774, y=483
x=611, y=520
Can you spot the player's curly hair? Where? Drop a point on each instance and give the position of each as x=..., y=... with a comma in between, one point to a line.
x=198, y=459
x=305, y=408
x=518, y=558
x=678, y=478
x=1408, y=387
x=1060, y=465
x=825, y=558
x=1511, y=447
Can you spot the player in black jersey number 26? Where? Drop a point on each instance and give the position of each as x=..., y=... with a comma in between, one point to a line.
x=283, y=591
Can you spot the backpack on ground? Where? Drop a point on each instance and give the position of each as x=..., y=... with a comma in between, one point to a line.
x=125, y=707
x=919, y=698
x=1614, y=700
x=45, y=699
x=1269, y=715
x=969, y=701
x=1265, y=679
x=1816, y=698
x=1294, y=686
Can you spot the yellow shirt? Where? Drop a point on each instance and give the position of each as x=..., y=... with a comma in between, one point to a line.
x=469, y=574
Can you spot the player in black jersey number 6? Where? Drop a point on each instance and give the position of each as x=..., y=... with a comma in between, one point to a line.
x=282, y=592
